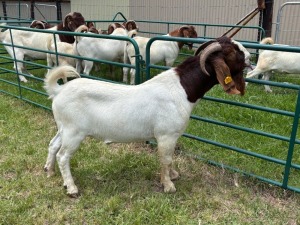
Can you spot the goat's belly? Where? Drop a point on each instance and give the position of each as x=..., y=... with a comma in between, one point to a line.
x=114, y=132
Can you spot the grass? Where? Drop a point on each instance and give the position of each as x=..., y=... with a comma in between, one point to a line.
x=119, y=183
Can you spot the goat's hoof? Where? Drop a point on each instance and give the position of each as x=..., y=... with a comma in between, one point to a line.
x=50, y=172
x=170, y=188
x=74, y=195
x=72, y=191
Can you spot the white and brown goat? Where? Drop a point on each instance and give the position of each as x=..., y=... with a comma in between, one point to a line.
x=160, y=51
x=100, y=48
x=37, y=40
x=275, y=61
x=159, y=108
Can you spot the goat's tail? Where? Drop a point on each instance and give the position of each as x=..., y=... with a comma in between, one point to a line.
x=60, y=72
x=267, y=41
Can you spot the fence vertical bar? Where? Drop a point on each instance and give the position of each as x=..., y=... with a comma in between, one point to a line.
x=15, y=63
x=292, y=143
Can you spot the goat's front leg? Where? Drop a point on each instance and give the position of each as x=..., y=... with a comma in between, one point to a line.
x=19, y=67
x=132, y=76
x=125, y=74
x=266, y=77
x=166, y=147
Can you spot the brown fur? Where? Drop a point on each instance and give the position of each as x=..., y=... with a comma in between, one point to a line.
x=39, y=24
x=184, y=31
x=130, y=25
x=71, y=22
x=196, y=83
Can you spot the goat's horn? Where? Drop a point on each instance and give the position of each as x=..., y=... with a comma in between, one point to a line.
x=214, y=47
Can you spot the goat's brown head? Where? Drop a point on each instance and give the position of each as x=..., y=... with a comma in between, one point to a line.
x=72, y=21
x=187, y=32
x=39, y=24
x=91, y=27
x=113, y=26
x=227, y=61
x=130, y=25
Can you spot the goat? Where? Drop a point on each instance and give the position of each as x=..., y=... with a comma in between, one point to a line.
x=67, y=48
x=274, y=61
x=104, y=49
x=166, y=51
x=159, y=108
x=128, y=25
x=37, y=40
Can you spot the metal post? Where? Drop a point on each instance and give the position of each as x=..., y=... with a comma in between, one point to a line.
x=58, y=11
x=293, y=137
x=4, y=9
x=268, y=17
x=32, y=9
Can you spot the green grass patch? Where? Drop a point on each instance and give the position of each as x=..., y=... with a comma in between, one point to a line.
x=119, y=183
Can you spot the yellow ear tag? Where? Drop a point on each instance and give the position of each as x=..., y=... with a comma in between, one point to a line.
x=228, y=79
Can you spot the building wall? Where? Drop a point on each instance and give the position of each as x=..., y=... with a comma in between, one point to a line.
x=189, y=11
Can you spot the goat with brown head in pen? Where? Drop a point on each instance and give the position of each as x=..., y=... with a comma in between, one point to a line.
x=158, y=109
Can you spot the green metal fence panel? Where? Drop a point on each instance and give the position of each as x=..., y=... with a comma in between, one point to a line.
x=19, y=90
x=292, y=139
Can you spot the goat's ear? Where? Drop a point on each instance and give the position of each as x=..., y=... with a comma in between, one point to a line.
x=67, y=19
x=69, y=23
x=224, y=76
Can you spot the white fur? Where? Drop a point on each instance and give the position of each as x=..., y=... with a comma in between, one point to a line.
x=277, y=61
x=62, y=47
x=100, y=48
x=28, y=39
x=166, y=51
x=157, y=109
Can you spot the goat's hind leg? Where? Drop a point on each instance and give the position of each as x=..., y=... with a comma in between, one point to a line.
x=54, y=146
x=70, y=144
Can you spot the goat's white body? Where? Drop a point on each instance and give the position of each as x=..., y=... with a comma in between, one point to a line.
x=160, y=51
x=62, y=47
x=36, y=40
x=98, y=48
x=275, y=61
x=157, y=109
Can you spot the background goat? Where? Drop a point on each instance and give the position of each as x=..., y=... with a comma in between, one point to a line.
x=67, y=48
x=275, y=61
x=37, y=40
x=166, y=51
x=100, y=48
x=158, y=109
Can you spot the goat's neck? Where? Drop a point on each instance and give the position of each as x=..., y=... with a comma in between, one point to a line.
x=195, y=83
